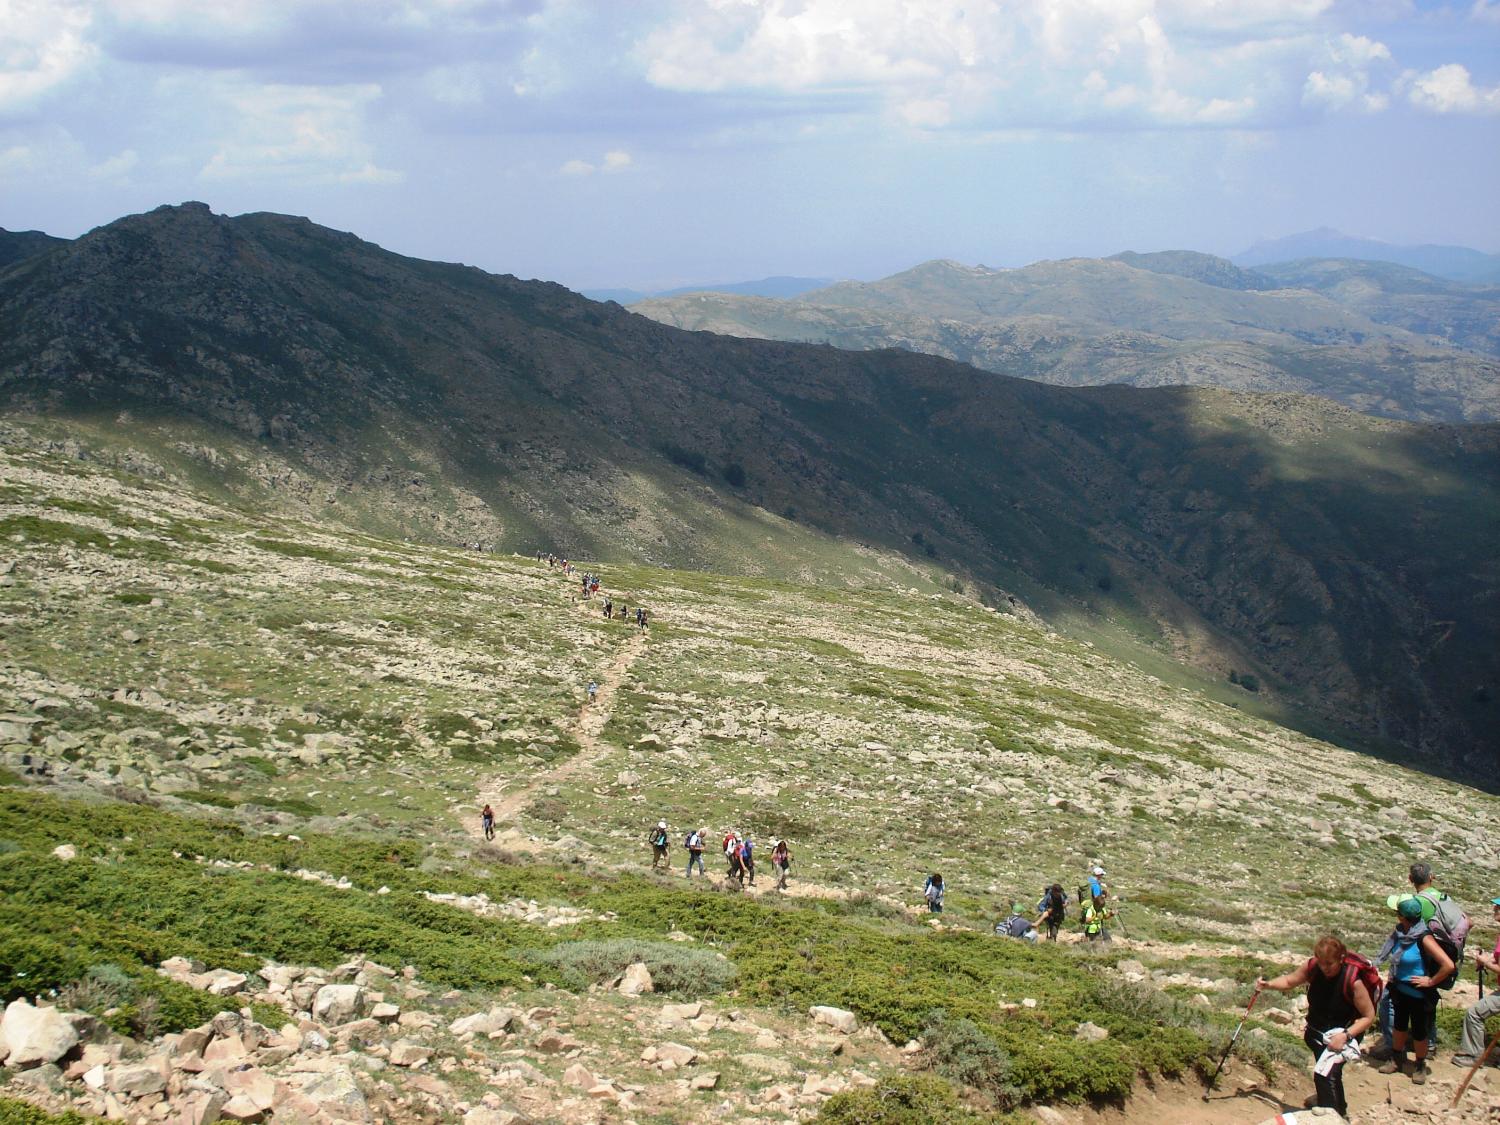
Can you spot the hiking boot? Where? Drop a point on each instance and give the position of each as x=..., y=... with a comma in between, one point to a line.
x=1464, y=1061
x=1419, y=1073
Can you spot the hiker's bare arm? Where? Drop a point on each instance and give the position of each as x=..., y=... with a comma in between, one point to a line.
x=1364, y=1006
x=1285, y=981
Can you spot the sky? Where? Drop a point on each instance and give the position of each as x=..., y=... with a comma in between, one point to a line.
x=653, y=143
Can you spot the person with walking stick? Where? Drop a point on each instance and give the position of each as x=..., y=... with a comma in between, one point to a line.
x=1342, y=989
x=1473, y=1037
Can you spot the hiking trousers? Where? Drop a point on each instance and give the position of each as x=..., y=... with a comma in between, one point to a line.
x=1330, y=1089
x=1473, y=1039
x=1387, y=1016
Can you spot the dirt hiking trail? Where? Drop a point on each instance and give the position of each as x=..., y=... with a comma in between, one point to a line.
x=586, y=729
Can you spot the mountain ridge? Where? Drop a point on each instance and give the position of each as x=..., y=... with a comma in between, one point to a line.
x=1285, y=535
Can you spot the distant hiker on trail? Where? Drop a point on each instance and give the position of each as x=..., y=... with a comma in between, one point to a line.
x=1472, y=1045
x=624, y=611
x=932, y=891
x=1418, y=967
x=736, y=866
x=1341, y=991
x=640, y=617
x=1095, y=914
x=1098, y=888
x=1017, y=925
x=593, y=690
x=1052, y=910
x=747, y=858
x=609, y=608
x=487, y=822
x=658, y=837
x=694, y=846
x=781, y=862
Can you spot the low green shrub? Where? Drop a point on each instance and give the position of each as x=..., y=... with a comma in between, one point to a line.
x=13, y=1111
x=959, y=1049
x=902, y=1099
x=680, y=969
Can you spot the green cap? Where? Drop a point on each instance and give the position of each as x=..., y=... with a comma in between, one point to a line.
x=1017, y=908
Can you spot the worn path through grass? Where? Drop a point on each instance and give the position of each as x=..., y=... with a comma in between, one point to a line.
x=586, y=729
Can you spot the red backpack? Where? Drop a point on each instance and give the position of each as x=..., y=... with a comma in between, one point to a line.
x=1356, y=967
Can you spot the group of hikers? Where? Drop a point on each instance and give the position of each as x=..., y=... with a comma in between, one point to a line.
x=737, y=849
x=1348, y=996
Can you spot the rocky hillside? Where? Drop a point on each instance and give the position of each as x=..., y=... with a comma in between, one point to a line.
x=241, y=876
x=1169, y=319
x=1328, y=556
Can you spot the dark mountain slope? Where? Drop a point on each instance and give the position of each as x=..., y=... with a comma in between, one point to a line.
x=1219, y=272
x=1348, y=560
x=17, y=245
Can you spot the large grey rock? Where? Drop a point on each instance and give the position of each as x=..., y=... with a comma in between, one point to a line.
x=836, y=1018
x=338, y=1003
x=637, y=979
x=29, y=1036
x=492, y=1022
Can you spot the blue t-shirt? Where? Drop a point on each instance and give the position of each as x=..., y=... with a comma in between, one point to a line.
x=1096, y=888
x=1410, y=963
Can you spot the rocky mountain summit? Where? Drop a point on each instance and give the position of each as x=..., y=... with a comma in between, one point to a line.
x=1328, y=556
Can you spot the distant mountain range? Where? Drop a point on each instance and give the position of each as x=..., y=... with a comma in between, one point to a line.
x=1382, y=339
x=1456, y=263
x=1346, y=561
x=765, y=287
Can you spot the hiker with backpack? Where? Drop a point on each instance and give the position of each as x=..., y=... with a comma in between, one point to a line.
x=1447, y=922
x=781, y=862
x=1095, y=915
x=1471, y=1048
x=932, y=891
x=658, y=837
x=1342, y=988
x=747, y=858
x=1098, y=888
x=1052, y=909
x=694, y=845
x=487, y=822
x=1017, y=925
x=732, y=845
x=1419, y=967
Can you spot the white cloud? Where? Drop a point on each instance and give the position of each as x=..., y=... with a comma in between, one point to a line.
x=931, y=64
x=116, y=167
x=1343, y=80
x=1485, y=11
x=311, y=134
x=43, y=44
x=1450, y=89
x=616, y=160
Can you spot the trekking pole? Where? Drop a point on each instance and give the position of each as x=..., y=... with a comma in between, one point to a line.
x=1120, y=917
x=1254, y=996
x=1479, y=976
x=1479, y=1062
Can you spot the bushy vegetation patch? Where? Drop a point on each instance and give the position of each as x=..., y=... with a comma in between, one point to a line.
x=13, y=1111
x=145, y=887
x=675, y=968
x=905, y=1099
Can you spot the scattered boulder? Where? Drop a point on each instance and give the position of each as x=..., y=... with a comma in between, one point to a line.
x=493, y=1022
x=338, y=1003
x=580, y=1077
x=406, y=1053
x=1091, y=1032
x=65, y=852
x=836, y=1018
x=29, y=1036
x=636, y=980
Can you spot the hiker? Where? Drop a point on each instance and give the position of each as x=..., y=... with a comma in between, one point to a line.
x=609, y=608
x=640, y=617
x=1471, y=1046
x=624, y=611
x=933, y=893
x=1098, y=888
x=1340, y=1008
x=1052, y=909
x=1017, y=925
x=747, y=858
x=1446, y=921
x=1095, y=914
x=1418, y=967
x=487, y=822
x=593, y=690
x=781, y=861
x=736, y=868
x=694, y=846
x=659, y=845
